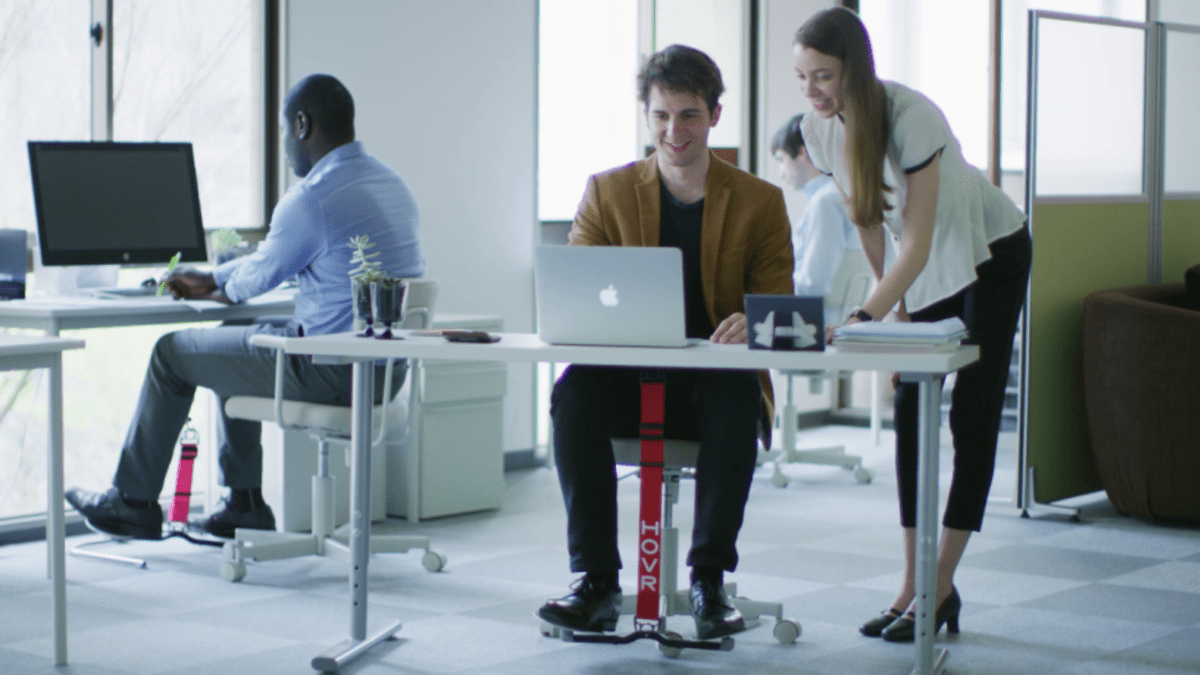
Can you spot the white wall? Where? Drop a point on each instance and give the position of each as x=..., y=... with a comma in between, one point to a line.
x=446, y=94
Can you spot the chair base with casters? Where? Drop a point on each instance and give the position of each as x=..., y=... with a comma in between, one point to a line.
x=679, y=459
x=327, y=424
x=834, y=455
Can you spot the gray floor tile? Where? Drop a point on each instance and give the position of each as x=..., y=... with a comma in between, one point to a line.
x=1169, y=576
x=1125, y=603
x=1052, y=561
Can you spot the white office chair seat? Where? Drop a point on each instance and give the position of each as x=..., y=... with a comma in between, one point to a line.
x=331, y=421
x=325, y=423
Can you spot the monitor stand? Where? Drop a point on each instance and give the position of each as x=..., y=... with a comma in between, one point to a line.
x=71, y=279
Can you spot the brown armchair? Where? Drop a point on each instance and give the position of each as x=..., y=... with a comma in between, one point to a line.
x=1141, y=375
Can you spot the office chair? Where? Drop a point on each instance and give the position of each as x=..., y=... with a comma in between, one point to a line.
x=327, y=424
x=852, y=284
x=679, y=461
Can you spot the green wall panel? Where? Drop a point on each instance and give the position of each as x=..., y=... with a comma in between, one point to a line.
x=1077, y=249
x=1181, y=238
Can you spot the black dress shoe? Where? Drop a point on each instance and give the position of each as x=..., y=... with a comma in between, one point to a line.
x=903, y=629
x=109, y=513
x=874, y=627
x=593, y=605
x=715, y=616
x=224, y=523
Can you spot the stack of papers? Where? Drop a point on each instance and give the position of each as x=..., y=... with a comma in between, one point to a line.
x=874, y=336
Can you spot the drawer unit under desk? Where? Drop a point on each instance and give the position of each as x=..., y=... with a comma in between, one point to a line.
x=459, y=381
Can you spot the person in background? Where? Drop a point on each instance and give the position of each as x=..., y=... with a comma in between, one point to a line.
x=344, y=193
x=962, y=250
x=824, y=231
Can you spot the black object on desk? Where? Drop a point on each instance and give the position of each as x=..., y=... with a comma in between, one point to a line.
x=470, y=336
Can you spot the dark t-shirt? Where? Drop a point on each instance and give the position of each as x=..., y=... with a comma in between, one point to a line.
x=680, y=228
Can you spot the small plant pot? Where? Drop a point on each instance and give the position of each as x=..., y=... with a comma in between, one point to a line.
x=360, y=301
x=386, y=302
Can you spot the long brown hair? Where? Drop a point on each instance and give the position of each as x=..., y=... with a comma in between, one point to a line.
x=838, y=32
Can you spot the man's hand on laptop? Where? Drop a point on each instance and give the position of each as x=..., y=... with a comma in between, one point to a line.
x=191, y=285
x=732, y=330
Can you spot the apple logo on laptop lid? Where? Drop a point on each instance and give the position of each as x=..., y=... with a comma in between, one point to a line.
x=608, y=296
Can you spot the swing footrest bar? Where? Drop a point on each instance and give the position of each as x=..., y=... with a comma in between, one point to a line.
x=724, y=644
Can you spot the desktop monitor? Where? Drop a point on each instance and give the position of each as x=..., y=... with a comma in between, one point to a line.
x=116, y=203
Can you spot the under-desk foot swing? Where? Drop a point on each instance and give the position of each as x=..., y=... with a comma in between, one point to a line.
x=658, y=542
x=177, y=516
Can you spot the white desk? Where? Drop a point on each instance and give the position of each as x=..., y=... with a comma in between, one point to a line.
x=925, y=369
x=68, y=313
x=23, y=352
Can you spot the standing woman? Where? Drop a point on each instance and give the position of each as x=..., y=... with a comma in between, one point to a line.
x=962, y=249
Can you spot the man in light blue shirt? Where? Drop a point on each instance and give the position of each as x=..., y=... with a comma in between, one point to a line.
x=344, y=193
x=825, y=231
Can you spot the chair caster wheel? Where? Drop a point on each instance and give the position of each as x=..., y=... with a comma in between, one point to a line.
x=779, y=479
x=786, y=631
x=863, y=475
x=233, y=571
x=433, y=560
x=671, y=652
x=549, y=630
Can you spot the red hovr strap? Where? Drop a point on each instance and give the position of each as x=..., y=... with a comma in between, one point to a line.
x=183, y=484
x=650, y=522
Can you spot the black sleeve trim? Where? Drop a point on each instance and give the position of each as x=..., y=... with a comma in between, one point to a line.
x=926, y=163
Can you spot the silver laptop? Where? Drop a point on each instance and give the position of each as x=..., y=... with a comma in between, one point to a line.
x=610, y=295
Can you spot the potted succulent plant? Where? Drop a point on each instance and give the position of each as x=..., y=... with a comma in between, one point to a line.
x=375, y=295
x=365, y=271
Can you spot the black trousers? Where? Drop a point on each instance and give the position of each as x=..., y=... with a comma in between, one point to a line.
x=990, y=308
x=719, y=408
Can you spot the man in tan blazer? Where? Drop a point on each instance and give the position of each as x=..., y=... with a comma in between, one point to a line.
x=733, y=230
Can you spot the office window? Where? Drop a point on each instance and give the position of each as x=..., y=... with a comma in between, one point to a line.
x=44, y=91
x=587, y=97
x=187, y=70
x=190, y=70
x=939, y=48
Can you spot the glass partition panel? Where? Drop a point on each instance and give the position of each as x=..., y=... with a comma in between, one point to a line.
x=1079, y=150
x=191, y=70
x=1182, y=99
x=716, y=28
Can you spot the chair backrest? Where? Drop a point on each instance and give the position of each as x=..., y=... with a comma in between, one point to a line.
x=852, y=284
x=419, y=301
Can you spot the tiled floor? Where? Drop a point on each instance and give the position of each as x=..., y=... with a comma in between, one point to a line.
x=1044, y=595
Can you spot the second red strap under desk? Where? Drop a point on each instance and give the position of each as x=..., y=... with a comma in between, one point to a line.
x=649, y=573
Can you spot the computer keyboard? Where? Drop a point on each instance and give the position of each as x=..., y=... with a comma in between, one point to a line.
x=125, y=291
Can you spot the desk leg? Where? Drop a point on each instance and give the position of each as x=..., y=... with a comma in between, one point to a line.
x=929, y=406
x=361, y=397
x=55, y=523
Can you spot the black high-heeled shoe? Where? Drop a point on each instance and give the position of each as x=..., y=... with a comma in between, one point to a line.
x=874, y=627
x=903, y=629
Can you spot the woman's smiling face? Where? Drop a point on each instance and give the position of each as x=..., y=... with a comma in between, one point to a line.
x=820, y=78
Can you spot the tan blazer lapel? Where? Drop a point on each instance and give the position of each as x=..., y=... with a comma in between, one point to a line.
x=649, y=203
x=717, y=194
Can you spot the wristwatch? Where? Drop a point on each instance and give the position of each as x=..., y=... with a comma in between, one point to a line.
x=861, y=314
